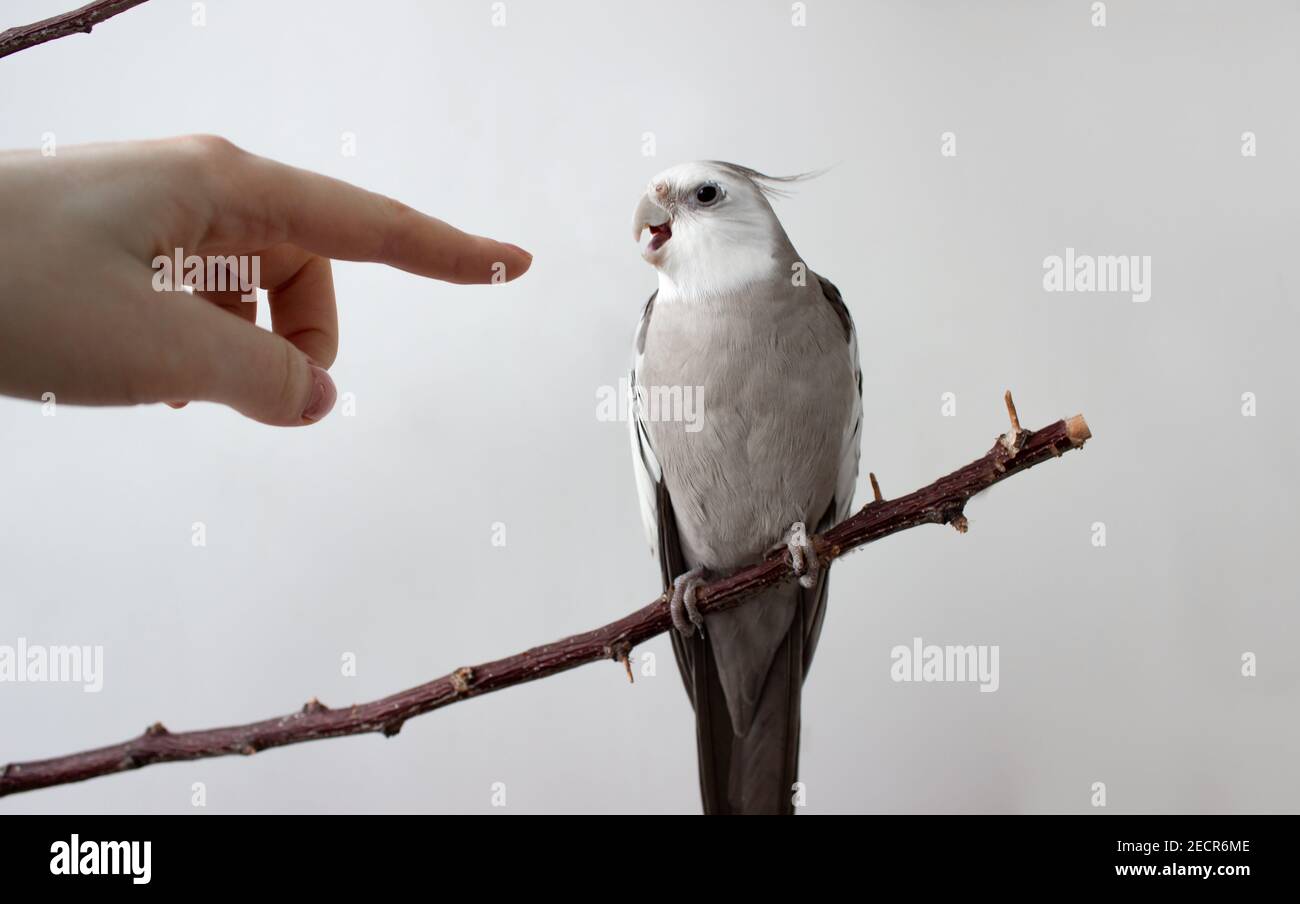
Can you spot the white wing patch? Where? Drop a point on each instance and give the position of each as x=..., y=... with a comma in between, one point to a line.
x=645, y=465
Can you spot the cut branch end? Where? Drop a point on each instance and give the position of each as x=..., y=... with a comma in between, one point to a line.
x=1076, y=430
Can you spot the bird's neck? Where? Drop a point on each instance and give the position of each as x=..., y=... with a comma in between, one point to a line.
x=728, y=270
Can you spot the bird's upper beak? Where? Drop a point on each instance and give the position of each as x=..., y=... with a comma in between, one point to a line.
x=649, y=215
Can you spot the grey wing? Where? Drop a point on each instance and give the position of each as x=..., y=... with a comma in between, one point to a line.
x=645, y=465
x=851, y=448
x=656, y=505
x=846, y=478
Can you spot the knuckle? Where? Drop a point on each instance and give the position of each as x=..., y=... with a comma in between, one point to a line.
x=394, y=207
x=203, y=159
x=396, y=216
x=208, y=147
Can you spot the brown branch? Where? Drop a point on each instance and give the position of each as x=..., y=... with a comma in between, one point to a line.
x=941, y=502
x=78, y=21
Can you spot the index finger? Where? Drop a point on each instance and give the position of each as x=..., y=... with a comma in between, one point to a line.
x=253, y=197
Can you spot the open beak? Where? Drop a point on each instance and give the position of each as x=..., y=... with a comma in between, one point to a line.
x=650, y=215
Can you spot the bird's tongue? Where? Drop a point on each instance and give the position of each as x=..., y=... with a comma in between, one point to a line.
x=658, y=235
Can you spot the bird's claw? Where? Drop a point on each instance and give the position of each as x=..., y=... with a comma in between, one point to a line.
x=681, y=605
x=803, y=555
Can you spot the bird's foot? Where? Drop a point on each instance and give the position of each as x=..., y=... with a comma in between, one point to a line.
x=681, y=605
x=803, y=555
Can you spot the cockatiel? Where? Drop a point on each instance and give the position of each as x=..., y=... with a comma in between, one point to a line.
x=771, y=460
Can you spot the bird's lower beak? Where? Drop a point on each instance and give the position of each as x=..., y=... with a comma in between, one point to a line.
x=650, y=215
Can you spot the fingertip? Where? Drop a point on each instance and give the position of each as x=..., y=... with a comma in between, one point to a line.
x=525, y=262
x=323, y=395
x=527, y=256
x=511, y=262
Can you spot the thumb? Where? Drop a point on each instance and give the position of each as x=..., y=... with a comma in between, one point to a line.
x=262, y=375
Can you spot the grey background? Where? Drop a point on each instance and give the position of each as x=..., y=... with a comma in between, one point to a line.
x=371, y=534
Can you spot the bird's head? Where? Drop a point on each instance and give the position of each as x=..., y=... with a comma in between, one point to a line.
x=711, y=227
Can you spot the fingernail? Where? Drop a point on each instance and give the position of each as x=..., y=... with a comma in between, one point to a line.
x=323, y=395
x=517, y=248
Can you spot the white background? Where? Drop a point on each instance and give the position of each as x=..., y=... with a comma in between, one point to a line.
x=371, y=534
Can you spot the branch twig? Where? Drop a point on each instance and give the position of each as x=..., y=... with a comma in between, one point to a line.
x=81, y=20
x=942, y=502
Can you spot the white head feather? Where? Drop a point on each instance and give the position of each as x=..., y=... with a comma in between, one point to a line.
x=713, y=231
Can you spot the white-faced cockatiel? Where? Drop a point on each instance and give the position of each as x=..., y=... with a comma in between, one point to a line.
x=771, y=459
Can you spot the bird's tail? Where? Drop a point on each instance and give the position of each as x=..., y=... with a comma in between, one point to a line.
x=754, y=771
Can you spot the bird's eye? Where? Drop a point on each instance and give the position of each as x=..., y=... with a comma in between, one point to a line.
x=707, y=194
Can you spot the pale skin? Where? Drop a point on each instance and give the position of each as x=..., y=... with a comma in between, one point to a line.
x=79, y=313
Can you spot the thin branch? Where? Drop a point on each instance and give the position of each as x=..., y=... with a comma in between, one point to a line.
x=942, y=502
x=79, y=21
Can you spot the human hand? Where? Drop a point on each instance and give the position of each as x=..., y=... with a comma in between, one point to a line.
x=79, y=312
